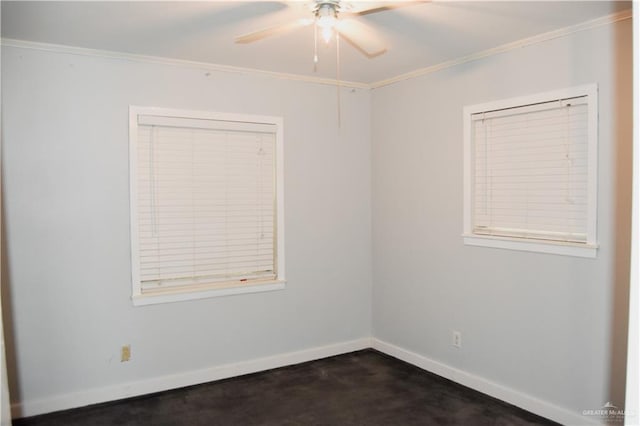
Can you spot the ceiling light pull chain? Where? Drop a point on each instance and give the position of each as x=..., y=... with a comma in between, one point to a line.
x=315, y=45
x=338, y=76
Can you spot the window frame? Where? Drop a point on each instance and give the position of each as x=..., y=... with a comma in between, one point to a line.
x=176, y=294
x=587, y=249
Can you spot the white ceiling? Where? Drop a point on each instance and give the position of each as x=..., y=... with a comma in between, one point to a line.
x=417, y=36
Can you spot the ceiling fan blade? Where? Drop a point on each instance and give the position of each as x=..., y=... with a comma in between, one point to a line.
x=367, y=8
x=361, y=37
x=271, y=31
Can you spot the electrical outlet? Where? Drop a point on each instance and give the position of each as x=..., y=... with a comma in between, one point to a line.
x=456, y=339
x=125, y=353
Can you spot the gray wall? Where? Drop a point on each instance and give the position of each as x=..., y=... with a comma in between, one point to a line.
x=66, y=189
x=552, y=327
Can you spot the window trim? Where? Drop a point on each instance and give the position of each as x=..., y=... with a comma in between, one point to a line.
x=166, y=295
x=587, y=249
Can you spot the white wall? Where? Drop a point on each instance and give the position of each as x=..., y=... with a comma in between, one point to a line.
x=66, y=195
x=547, y=326
x=633, y=354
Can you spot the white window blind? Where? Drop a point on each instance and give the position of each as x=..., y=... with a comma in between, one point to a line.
x=206, y=202
x=531, y=171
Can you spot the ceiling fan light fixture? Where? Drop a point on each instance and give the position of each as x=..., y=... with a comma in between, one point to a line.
x=327, y=32
x=326, y=19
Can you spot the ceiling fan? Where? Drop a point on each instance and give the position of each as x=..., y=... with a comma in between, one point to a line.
x=335, y=17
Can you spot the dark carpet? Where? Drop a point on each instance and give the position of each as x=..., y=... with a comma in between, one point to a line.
x=361, y=388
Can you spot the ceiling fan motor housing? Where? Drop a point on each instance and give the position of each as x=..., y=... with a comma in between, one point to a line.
x=327, y=9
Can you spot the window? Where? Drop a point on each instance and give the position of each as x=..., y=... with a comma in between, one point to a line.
x=206, y=204
x=530, y=173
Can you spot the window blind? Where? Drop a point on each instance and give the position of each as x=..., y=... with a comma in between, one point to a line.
x=206, y=202
x=531, y=171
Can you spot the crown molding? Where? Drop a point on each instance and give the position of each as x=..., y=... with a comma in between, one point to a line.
x=540, y=38
x=205, y=66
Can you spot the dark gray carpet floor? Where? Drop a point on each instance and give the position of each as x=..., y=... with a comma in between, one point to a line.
x=361, y=388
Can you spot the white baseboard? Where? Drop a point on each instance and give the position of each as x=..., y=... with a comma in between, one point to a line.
x=519, y=399
x=158, y=384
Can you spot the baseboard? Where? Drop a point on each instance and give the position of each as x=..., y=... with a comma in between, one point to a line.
x=503, y=393
x=158, y=384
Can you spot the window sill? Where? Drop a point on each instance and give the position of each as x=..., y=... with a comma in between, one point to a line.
x=185, y=293
x=550, y=247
